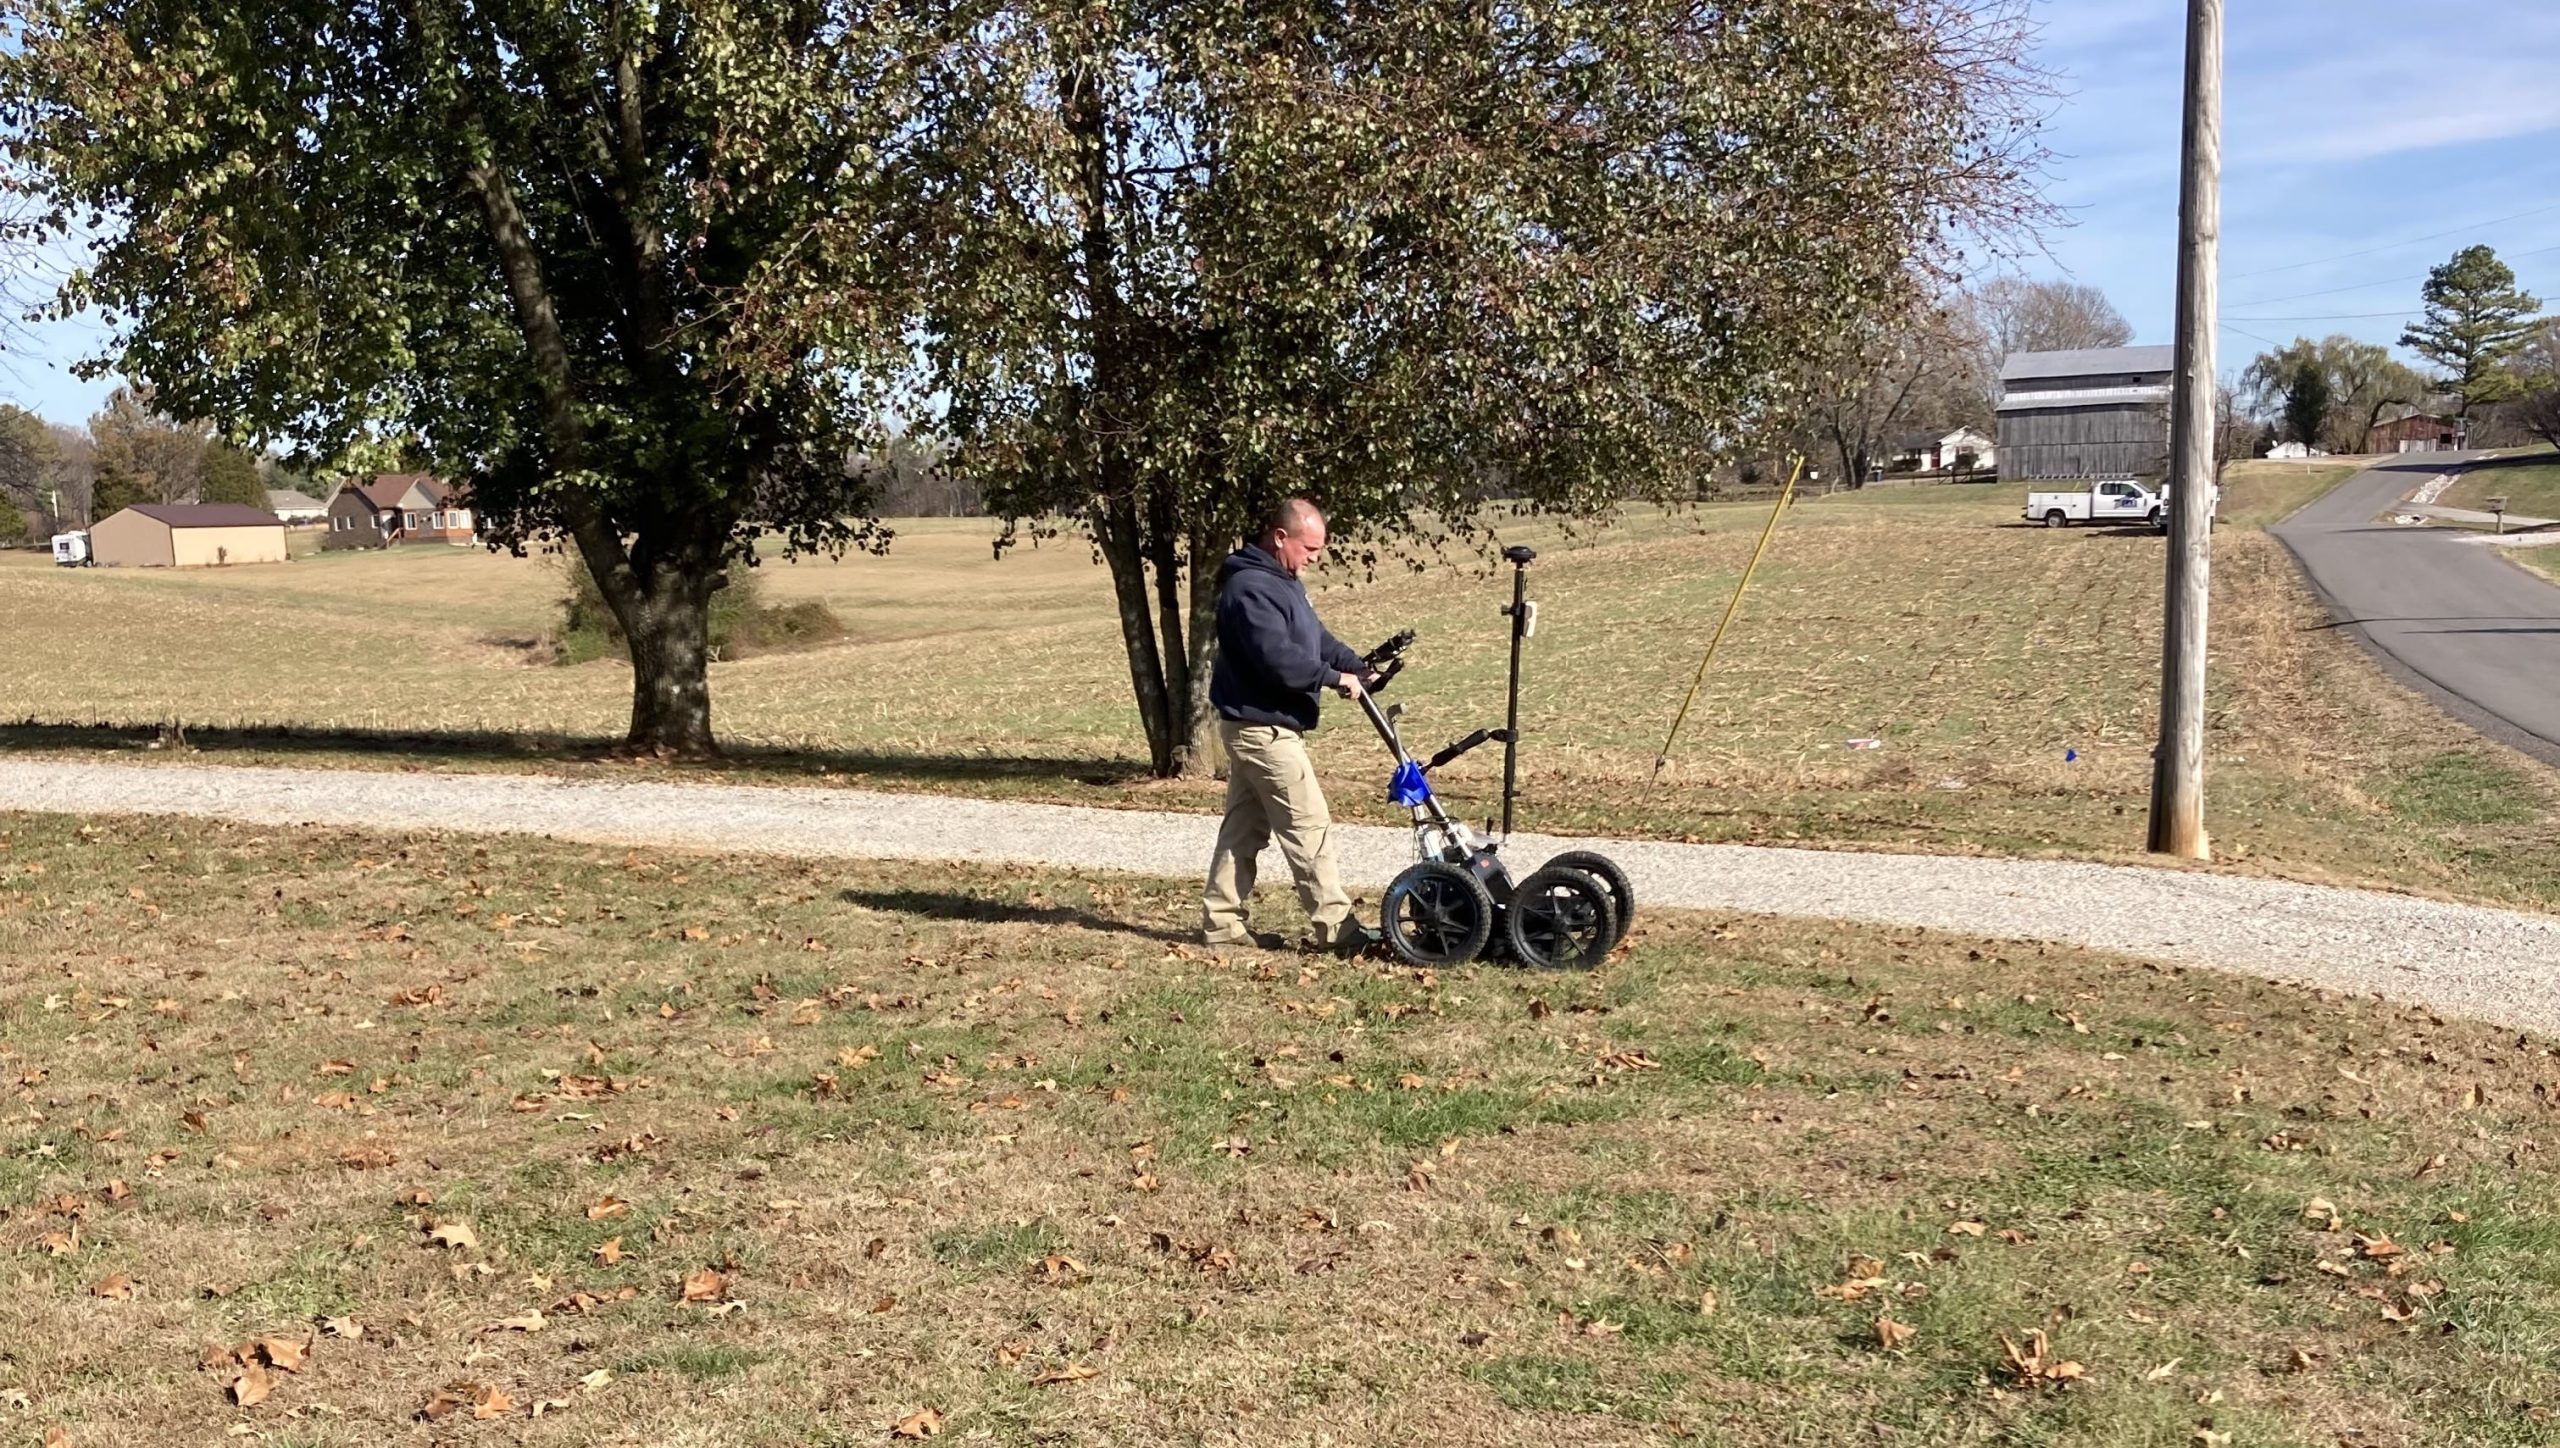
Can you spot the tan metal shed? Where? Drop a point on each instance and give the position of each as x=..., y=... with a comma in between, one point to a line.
x=188, y=535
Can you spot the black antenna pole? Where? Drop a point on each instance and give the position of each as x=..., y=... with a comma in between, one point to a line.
x=1520, y=558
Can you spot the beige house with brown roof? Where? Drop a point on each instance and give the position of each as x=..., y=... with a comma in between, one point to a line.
x=187, y=535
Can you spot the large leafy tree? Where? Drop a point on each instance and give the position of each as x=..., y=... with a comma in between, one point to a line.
x=2306, y=403
x=2476, y=320
x=2357, y=382
x=565, y=243
x=231, y=476
x=30, y=465
x=1403, y=255
x=143, y=456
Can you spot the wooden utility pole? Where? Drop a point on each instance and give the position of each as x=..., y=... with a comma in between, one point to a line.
x=2177, y=781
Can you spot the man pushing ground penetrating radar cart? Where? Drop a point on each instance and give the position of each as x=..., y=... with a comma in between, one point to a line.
x=1457, y=901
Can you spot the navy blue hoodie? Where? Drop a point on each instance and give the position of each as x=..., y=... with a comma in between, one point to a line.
x=1274, y=660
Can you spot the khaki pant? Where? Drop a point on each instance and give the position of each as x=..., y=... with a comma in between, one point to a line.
x=1272, y=794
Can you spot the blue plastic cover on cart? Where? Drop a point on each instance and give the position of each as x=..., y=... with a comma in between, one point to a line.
x=1408, y=788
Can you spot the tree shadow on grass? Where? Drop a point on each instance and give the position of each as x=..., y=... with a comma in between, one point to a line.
x=979, y=909
x=518, y=748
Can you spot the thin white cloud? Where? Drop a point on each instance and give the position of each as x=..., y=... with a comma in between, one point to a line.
x=2374, y=85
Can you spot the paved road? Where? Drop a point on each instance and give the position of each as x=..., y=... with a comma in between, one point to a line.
x=2494, y=965
x=2469, y=628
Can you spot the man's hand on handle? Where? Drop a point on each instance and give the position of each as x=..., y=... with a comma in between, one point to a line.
x=1349, y=686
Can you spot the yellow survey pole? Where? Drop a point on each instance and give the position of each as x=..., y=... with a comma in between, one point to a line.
x=1732, y=605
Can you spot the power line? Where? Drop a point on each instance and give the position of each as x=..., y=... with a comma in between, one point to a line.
x=2396, y=245
x=2369, y=286
x=2336, y=316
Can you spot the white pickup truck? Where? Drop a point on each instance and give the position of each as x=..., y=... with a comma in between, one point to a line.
x=2108, y=502
x=2115, y=501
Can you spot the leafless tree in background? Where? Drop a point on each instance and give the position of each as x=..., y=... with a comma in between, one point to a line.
x=1926, y=373
x=2536, y=407
x=2017, y=315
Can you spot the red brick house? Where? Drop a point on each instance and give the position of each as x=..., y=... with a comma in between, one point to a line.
x=389, y=508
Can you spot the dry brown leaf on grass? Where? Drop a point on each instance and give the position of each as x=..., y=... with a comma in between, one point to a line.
x=2036, y=1362
x=454, y=1233
x=485, y=1402
x=1071, y=1373
x=607, y=1252
x=922, y=1423
x=608, y=1206
x=252, y=1386
x=115, y=1286
x=702, y=1285
x=1892, y=1336
x=346, y=1327
x=1060, y=1270
x=530, y=1320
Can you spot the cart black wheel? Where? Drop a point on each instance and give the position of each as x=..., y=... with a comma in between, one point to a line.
x=1437, y=914
x=1560, y=918
x=1622, y=891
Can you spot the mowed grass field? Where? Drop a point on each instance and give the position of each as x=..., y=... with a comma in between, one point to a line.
x=2530, y=482
x=333, y=1139
x=2009, y=673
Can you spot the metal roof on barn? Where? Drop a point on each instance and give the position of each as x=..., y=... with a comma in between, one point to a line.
x=2096, y=362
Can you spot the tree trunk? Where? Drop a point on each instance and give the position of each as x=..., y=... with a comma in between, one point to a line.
x=1115, y=529
x=665, y=606
x=1202, y=754
x=670, y=637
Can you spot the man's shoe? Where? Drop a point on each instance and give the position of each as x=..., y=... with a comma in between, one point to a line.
x=1257, y=940
x=1355, y=938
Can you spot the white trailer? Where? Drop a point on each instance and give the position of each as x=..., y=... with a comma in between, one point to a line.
x=71, y=550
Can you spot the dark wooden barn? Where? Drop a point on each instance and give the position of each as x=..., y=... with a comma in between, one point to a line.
x=2073, y=415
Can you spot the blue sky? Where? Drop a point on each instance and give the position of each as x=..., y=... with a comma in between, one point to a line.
x=2356, y=131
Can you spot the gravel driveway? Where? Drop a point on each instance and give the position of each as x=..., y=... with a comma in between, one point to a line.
x=2496, y=965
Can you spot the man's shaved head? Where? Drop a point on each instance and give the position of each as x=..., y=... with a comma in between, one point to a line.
x=1294, y=532
x=1291, y=515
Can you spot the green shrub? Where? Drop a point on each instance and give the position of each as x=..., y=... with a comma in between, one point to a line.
x=741, y=624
